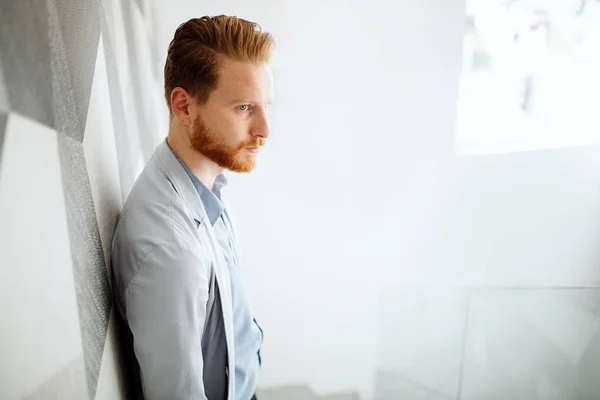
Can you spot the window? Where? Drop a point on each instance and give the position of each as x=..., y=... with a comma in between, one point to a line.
x=530, y=78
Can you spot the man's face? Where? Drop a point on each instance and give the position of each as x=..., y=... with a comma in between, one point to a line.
x=232, y=125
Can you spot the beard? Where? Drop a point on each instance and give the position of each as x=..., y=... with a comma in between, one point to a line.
x=211, y=145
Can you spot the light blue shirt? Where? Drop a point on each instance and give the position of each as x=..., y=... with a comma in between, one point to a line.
x=248, y=335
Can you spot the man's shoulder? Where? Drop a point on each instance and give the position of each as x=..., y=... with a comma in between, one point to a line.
x=150, y=199
x=154, y=215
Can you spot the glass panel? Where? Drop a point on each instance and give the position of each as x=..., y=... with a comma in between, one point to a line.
x=533, y=344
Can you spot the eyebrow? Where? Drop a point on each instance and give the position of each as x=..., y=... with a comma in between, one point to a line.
x=246, y=101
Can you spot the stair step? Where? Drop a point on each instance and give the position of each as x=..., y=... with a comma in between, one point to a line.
x=341, y=396
x=292, y=392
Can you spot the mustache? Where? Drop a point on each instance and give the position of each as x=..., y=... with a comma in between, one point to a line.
x=258, y=142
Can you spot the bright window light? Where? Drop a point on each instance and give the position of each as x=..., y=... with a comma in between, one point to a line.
x=530, y=77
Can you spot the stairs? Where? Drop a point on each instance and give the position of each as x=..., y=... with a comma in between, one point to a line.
x=341, y=396
x=299, y=392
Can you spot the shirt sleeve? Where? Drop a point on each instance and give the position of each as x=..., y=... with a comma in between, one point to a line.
x=166, y=309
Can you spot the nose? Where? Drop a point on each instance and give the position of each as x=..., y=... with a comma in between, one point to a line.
x=260, y=126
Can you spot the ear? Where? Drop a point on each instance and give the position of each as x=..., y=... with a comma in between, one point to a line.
x=181, y=104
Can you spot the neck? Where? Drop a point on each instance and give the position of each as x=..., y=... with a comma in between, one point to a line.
x=204, y=169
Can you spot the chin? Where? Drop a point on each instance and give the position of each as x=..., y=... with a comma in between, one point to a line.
x=241, y=163
x=245, y=169
x=242, y=168
x=247, y=165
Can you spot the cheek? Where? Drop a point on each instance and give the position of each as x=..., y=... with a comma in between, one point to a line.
x=219, y=125
x=236, y=128
x=231, y=127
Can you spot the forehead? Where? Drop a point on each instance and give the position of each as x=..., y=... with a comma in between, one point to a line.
x=244, y=81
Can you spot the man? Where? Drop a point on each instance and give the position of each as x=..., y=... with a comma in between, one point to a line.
x=177, y=273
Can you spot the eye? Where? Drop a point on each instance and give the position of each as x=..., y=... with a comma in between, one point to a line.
x=244, y=107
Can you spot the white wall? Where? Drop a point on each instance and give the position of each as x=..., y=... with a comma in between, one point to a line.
x=358, y=195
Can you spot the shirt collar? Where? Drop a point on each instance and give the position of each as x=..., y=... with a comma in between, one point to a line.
x=220, y=182
x=210, y=199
